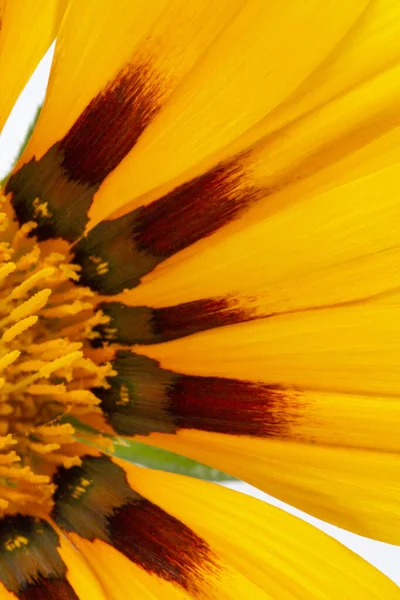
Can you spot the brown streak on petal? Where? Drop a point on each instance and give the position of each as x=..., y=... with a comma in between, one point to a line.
x=194, y=210
x=95, y=501
x=184, y=319
x=144, y=398
x=133, y=245
x=110, y=125
x=231, y=406
x=50, y=589
x=144, y=325
x=57, y=190
x=160, y=544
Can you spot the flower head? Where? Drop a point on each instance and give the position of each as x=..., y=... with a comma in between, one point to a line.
x=199, y=251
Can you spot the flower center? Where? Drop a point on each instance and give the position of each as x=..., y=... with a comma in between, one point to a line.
x=47, y=365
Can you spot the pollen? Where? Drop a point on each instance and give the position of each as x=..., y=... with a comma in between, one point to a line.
x=102, y=267
x=123, y=396
x=17, y=542
x=80, y=488
x=40, y=208
x=47, y=367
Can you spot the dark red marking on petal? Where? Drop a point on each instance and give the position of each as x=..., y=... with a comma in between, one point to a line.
x=57, y=190
x=194, y=210
x=160, y=543
x=184, y=319
x=133, y=245
x=143, y=399
x=230, y=406
x=49, y=589
x=30, y=566
x=95, y=501
x=110, y=125
x=144, y=325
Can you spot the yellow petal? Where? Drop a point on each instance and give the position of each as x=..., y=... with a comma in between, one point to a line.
x=315, y=141
x=325, y=270
x=105, y=89
x=367, y=51
x=243, y=525
x=213, y=543
x=323, y=384
x=257, y=62
x=181, y=67
x=331, y=249
x=234, y=205
x=82, y=579
x=347, y=101
x=27, y=31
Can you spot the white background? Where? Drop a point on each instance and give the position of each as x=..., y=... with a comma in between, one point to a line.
x=383, y=556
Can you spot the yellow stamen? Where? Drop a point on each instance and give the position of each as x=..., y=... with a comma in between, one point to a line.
x=6, y=409
x=8, y=359
x=3, y=221
x=66, y=310
x=59, y=363
x=6, y=270
x=46, y=371
x=43, y=448
x=28, y=260
x=22, y=233
x=18, y=328
x=64, y=461
x=55, y=430
x=27, y=308
x=47, y=389
x=85, y=397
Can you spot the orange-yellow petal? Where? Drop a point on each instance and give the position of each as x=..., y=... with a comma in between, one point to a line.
x=299, y=315
x=341, y=122
x=315, y=141
x=258, y=61
x=327, y=249
x=27, y=29
x=321, y=387
x=340, y=109
x=320, y=448
x=80, y=576
x=213, y=543
x=231, y=232
x=173, y=78
x=104, y=90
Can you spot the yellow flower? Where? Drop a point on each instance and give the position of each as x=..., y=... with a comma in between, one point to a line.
x=200, y=250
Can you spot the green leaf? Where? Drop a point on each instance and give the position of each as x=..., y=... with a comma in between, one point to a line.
x=156, y=458
x=150, y=456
